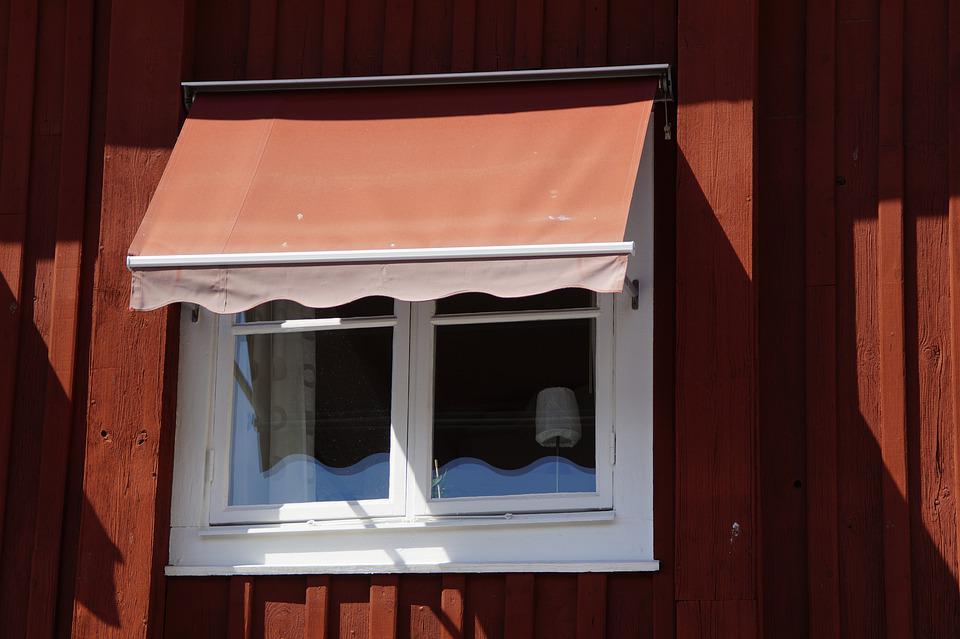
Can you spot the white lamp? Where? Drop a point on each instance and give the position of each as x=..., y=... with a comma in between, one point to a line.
x=558, y=417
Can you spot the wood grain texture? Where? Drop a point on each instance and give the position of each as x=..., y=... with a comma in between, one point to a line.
x=128, y=396
x=318, y=607
x=453, y=591
x=781, y=331
x=931, y=422
x=198, y=609
x=591, y=606
x=62, y=342
x=860, y=473
x=820, y=374
x=484, y=606
x=716, y=356
x=15, y=157
x=716, y=619
x=383, y=606
x=952, y=23
x=518, y=606
x=279, y=607
x=867, y=414
x=893, y=445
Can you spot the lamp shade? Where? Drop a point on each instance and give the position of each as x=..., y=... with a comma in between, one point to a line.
x=558, y=417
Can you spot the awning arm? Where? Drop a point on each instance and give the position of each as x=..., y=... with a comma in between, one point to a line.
x=662, y=71
x=381, y=255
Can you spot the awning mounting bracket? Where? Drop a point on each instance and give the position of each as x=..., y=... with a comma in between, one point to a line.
x=634, y=287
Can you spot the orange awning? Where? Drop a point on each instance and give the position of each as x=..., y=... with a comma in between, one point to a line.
x=324, y=196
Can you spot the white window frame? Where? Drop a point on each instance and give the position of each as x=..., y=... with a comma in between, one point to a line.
x=420, y=501
x=411, y=432
x=221, y=512
x=618, y=539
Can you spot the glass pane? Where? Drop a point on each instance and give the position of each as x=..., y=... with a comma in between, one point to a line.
x=483, y=303
x=285, y=309
x=514, y=409
x=311, y=416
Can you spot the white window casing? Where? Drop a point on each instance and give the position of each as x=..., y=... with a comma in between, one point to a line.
x=610, y=530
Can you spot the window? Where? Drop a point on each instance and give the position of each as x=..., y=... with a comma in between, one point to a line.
x=469, y=433
x=465, y=406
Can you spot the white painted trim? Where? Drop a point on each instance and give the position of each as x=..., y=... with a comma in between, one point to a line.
x=420, y=502
x=220, y=512
x=515, y=316
x=652, y=565
x=392, y=523
x=626, y=542
x=381, y=255
x=319, y=324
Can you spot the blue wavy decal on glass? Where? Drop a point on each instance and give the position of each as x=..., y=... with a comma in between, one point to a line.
x=472, y=477
x=301, y=478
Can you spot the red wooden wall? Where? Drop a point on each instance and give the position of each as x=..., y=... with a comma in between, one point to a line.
x=807, y=315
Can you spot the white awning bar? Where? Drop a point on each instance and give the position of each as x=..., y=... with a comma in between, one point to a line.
x=380, y=255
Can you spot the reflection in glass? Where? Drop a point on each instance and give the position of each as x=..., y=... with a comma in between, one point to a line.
x=482, y=303
x=283, y=310
x=514, y=409
x=311, y=416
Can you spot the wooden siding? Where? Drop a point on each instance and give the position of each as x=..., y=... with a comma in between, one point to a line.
x=807, y=315
x=587, y=606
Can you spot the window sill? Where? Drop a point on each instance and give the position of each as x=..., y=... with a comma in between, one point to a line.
x=652, y=565
x=394, y=523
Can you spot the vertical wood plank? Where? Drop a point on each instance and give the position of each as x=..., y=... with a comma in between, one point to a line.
x=660, y=613
x=14, y=184
x=462, y=39
x=591, y=606
x=364, y=39
x=716, y=619
x=55, y=437
x=349, y=607
x=931, y=426
x=484, y=606
x=495, y=31
x=433, y=44
x=318, y=596
x=261, y=39
x=383, y=606
x=860, y=471
x=452, y=606
x=398, y=37
x=595, y=28
x=240, y=611
x=334, y=37
x=195, y=608
x=528, y=50
x=893, y=445
x=563, y=33
x=128, y=435
x=716, y=379
x=630, y=608
x=781, y=334
x=279, y=607
x=953, y=209
x=554, y=610
x=823, y=569
x=419, y=608
x=518, y=607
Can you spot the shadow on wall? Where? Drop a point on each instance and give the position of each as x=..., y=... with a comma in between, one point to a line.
x=712, y=434
x=37, y=575
x=714, y=295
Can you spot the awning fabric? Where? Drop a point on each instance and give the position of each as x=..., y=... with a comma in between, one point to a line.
x=326, y=196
